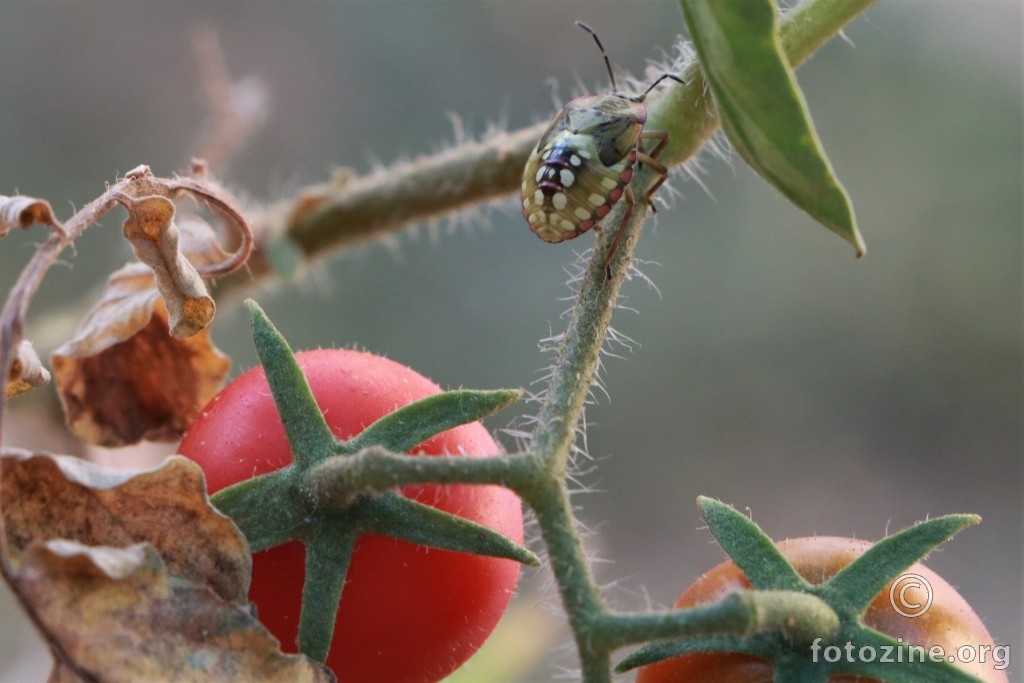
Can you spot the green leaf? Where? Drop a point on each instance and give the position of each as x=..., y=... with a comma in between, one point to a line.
x=393, y=515
x=761, y=108
x=413, y=424
x=659, y=650
x=750, y=622
x=908, y=668
x=328, y=553
x=265, y=508
x=308, y=434
x=857, y=584
x=749, y=547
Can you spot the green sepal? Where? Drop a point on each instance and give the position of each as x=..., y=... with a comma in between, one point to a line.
x=917, y=671
x=857, y=584
x=847, y=595
x=310, y=437
x=411, y=425
x=264, y=525
x=749, y=547
x=758, y=646
x=280, y=506
x=399, y=517
x=761, y=109
x=328, y=552
x=745, y=621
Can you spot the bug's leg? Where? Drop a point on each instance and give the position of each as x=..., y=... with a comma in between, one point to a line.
x=630, y=202
x=659, y=135
x=650, y=159
x=658, y=168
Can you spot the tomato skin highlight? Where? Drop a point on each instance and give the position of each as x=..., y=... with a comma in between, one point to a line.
x=949, y=622
x=407, y=613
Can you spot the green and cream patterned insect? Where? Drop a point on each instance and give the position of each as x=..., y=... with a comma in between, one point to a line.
x=583, y=163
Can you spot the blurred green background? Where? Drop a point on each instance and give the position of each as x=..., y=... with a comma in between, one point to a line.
x=772, y=369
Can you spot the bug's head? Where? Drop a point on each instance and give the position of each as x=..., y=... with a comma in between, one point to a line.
x=611, y=74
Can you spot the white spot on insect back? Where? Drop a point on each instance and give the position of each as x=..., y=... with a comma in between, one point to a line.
x=595, y=199
x=575, y=161
x=608, y=183
x=540, y=174
x=538, y=196
x=567, y=178
x=559, y=200
x=582, y=213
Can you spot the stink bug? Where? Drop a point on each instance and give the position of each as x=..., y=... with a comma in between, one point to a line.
x=584, y=161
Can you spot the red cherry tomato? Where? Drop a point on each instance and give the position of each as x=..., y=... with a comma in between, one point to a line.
x=407, y=613
x=949, y=622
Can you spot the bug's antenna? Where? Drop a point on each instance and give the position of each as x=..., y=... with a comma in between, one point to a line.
x=603, y=53
x=652, y=86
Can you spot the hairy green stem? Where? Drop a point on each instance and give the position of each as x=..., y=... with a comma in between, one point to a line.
x=803, y=617
x=580, y=595
x=352, y=209
x=808, y=26
x=339, y=477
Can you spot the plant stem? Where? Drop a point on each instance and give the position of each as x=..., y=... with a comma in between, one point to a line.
x=579, y=592
x=807, y=27
x=351, y=209
x=379, y=469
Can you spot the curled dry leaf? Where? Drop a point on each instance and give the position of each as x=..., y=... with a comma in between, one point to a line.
x=123, y=378
x=115, y=614
x=27, y=372
x=53, y=496
x=151, y=230
x=21, y=212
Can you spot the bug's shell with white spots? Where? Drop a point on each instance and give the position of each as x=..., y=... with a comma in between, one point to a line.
x=581, y=166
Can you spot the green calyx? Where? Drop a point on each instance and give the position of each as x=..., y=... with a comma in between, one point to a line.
x=334, y=491
x=783, y=614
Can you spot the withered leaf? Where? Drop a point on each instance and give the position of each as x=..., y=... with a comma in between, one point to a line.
x=123, y=378
x=54, y=496
x=154, y=236
x=22, y=212
x=115, y=614
x=198, y=241
x=27, y=372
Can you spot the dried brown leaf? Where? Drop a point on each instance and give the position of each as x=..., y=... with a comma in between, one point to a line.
x=198, y=241
x=123, y=378
x=27, y=371
x=154, y=236
x=53, y=496
x=22, y=212
x=115, y=614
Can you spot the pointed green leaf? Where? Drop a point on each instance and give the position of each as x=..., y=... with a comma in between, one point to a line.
x=859, y=582
x=265, y=508
x=761, y=108
x=717, y=642
x=749, y=547
x=390, y=514
x=742, y=621
x=307, y=431
x=327, y=558
x=413, y=424
x=910, y=668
